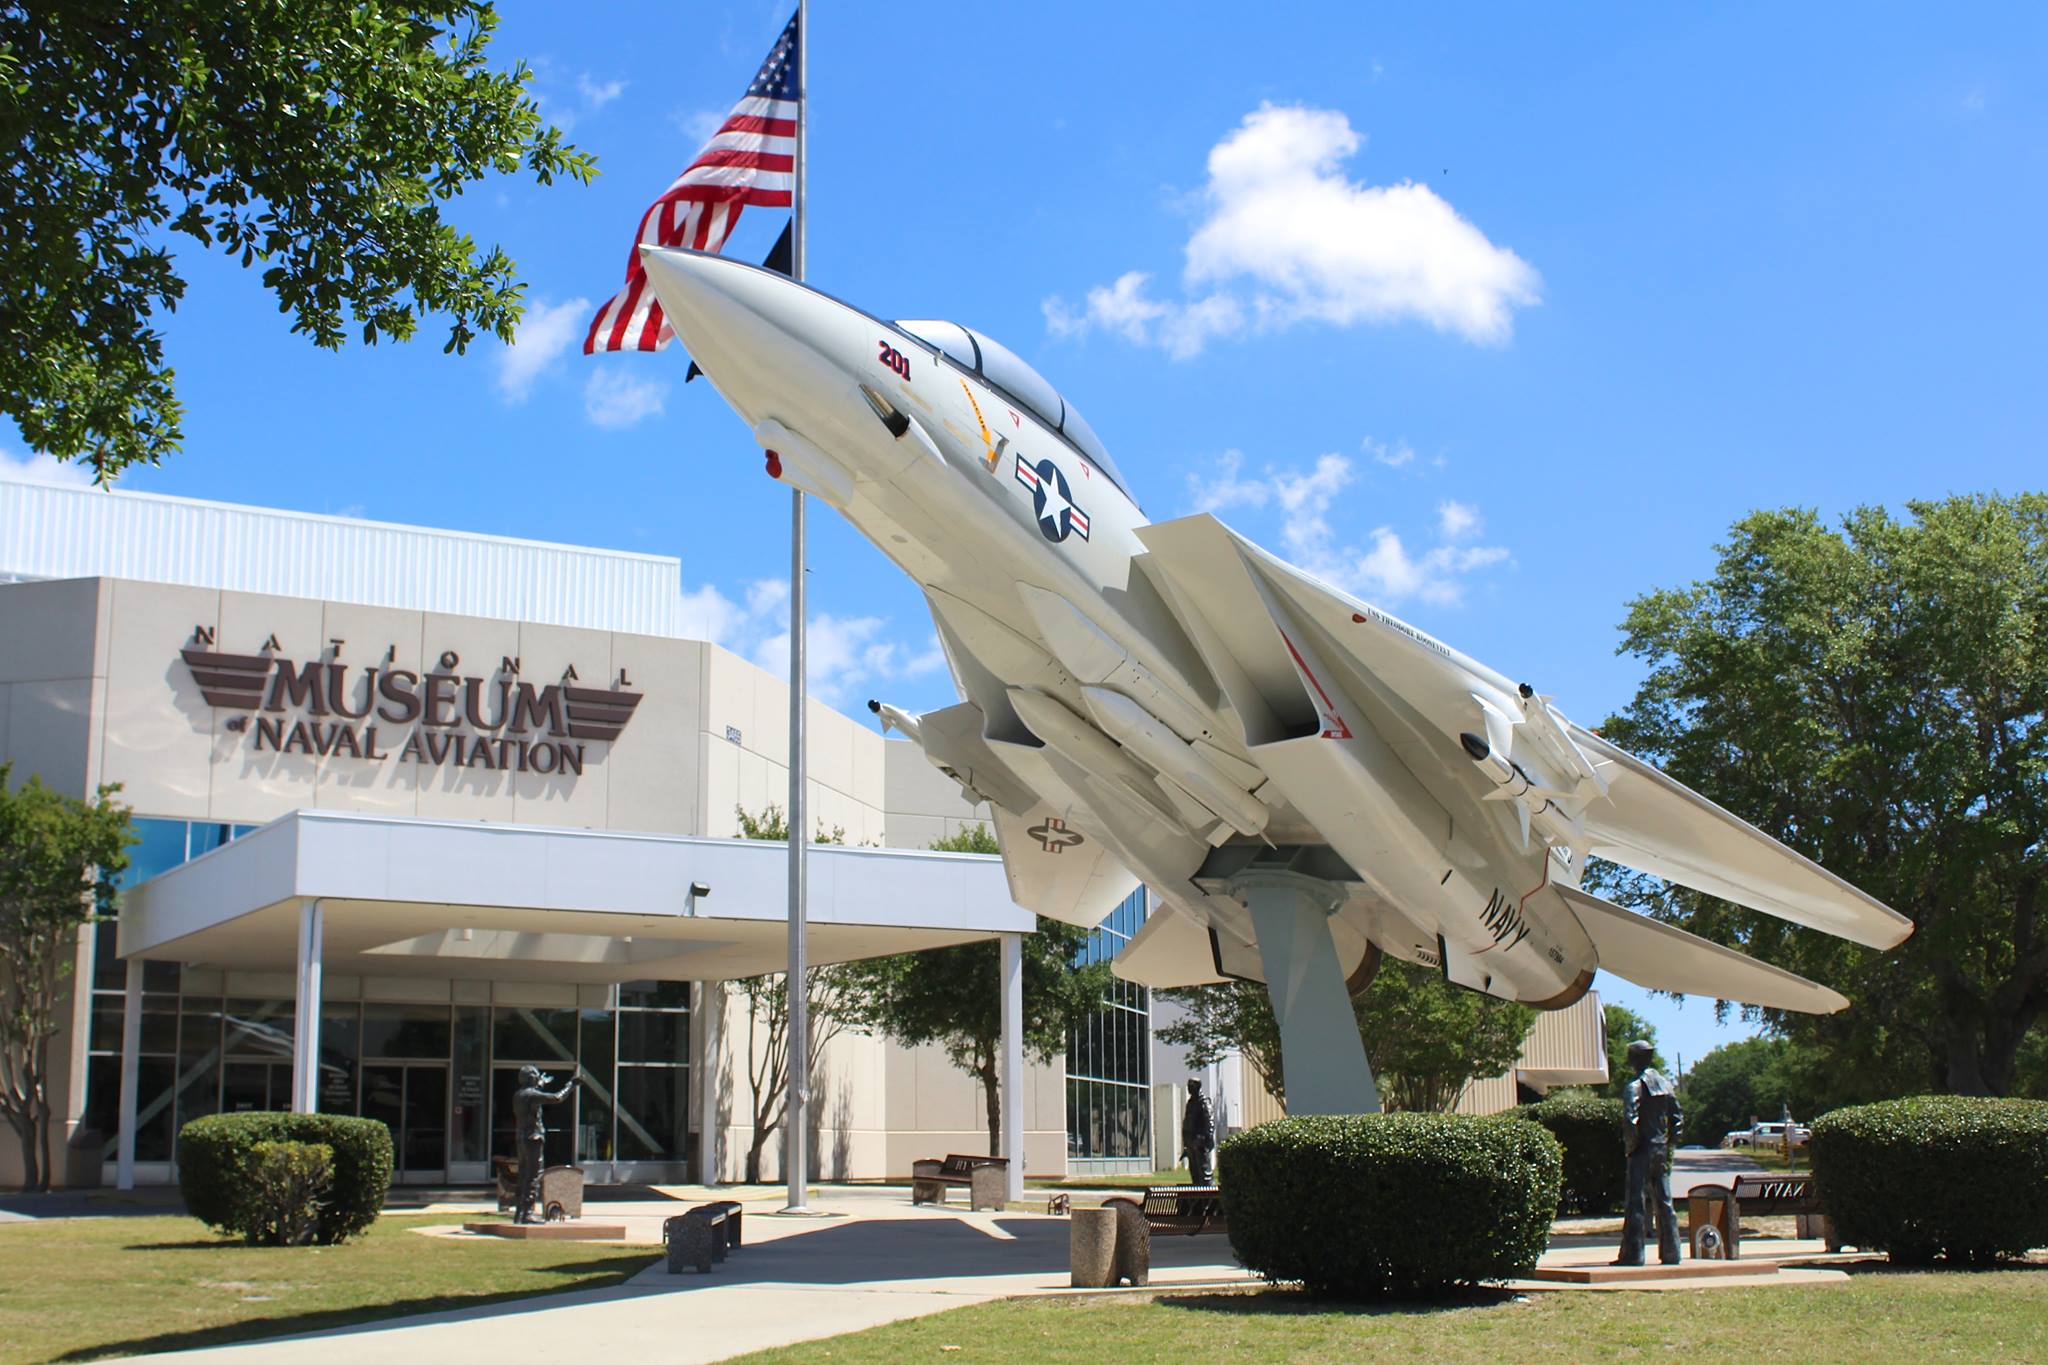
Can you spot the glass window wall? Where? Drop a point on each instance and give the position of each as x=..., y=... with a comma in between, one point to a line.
x=1109, y=1058
x=202, y=1052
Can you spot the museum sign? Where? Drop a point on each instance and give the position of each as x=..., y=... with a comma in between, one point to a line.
x=326, y=708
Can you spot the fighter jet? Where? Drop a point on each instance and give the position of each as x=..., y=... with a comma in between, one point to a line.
x=1305, y=781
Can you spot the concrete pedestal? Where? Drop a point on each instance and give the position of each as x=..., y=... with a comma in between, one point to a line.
x=1091, y=1247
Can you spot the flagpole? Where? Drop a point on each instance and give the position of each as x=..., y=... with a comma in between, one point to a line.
x=796, y=1109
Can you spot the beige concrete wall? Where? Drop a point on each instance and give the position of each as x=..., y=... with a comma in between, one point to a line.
x=880, y=1107
x=93, y=688
x=923, y=805
x=751, y=772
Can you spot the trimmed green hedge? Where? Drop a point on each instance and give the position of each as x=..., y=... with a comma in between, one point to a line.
x=1938, y=1175
x=217, y=1168
x=1390, y=1205
x=1595, y=1149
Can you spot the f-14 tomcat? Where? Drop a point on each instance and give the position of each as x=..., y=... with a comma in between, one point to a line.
x=1305, y=781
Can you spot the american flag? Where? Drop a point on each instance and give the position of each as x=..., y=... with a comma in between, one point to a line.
x=750, y=160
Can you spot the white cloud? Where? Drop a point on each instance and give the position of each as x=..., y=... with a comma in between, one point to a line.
x=1286, y=237
x=1392, y=456
x=614, y=399
x=597, y=94
x=843, y=655
x=563, y=110
x=1384, y=568
x=43, y=469
x=1456, y=520
x=699, y=125
x=544, y=333
x=1224, y=490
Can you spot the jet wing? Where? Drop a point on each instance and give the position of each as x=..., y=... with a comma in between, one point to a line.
x=1657, y=825
x=1171, y=949
x=1058, y=871
x=1646, y=820
x=1654, y=954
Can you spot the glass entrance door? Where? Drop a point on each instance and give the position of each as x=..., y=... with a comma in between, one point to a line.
x=246, y=1086
x=412, y=1100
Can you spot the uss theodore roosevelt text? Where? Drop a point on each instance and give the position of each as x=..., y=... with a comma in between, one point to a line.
x=455, y=720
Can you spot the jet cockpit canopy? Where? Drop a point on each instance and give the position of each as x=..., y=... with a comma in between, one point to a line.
x=1005, y=370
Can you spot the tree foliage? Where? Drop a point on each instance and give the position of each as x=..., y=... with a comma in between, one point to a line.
x=1875, y=695
x=318, y=139
x=1736, y=1083
x=1425, y=1038
x=1624, y=1026
x=953, y=997
x=58, y=858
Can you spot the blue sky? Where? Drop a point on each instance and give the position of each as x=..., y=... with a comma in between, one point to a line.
x=1500, y=315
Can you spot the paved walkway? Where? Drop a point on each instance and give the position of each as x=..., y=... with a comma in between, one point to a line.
x=873, y=1259
x=877, y=1259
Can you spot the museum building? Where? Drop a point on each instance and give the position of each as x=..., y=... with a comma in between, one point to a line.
x=419, y=807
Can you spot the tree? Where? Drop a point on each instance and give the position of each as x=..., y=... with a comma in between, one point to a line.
x=319, y=138
x=1425, y=1038
x=1754, y=1078
x=827, y=1011
x=1877, y=697
x=953, y=996
x=58, y=858
x=1624, y=1026
x=1231, y=1016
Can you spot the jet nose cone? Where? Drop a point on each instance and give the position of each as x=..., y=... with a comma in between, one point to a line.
x=757, y=334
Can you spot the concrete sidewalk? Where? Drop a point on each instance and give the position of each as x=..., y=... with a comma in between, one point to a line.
x=875, y=1259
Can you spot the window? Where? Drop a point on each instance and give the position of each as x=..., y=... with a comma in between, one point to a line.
x=1109, y=1058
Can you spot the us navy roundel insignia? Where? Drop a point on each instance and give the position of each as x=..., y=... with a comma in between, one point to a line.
x=1054, y=837
x=1052, y=502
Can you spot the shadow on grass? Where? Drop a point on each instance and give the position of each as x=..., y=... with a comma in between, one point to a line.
x=600, y=1274
x=1277, y=1302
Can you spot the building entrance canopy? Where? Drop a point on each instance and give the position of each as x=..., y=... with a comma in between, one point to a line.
x=400, y=896
x=387, y=896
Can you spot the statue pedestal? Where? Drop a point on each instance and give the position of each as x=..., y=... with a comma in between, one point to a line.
x=571, y=1231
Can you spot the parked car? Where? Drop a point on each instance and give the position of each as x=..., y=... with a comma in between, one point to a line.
x=1768, y=1135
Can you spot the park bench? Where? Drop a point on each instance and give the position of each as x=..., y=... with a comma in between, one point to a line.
x=701, y=1235
x=986, y=1179
x=1184, y=1209
x=1721, y=1207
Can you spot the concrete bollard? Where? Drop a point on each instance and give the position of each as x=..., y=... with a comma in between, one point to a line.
x=1133, y=1260
x=1091, y=1247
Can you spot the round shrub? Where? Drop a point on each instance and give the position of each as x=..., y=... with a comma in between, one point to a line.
x=1390, y=1205
x=1937, y=1175
x=1595, y=1149
x=217, y=1168
x=289, y=1182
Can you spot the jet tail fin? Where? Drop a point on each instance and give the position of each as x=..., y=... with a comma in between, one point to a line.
x=1654, y=954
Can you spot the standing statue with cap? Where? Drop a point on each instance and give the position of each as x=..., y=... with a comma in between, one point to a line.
x=1649, y=1112
x=1197, y=1134
x=530, y=1131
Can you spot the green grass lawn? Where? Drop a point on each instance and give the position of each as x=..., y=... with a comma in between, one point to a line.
x=1879, y=1315
x=88, y=1288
